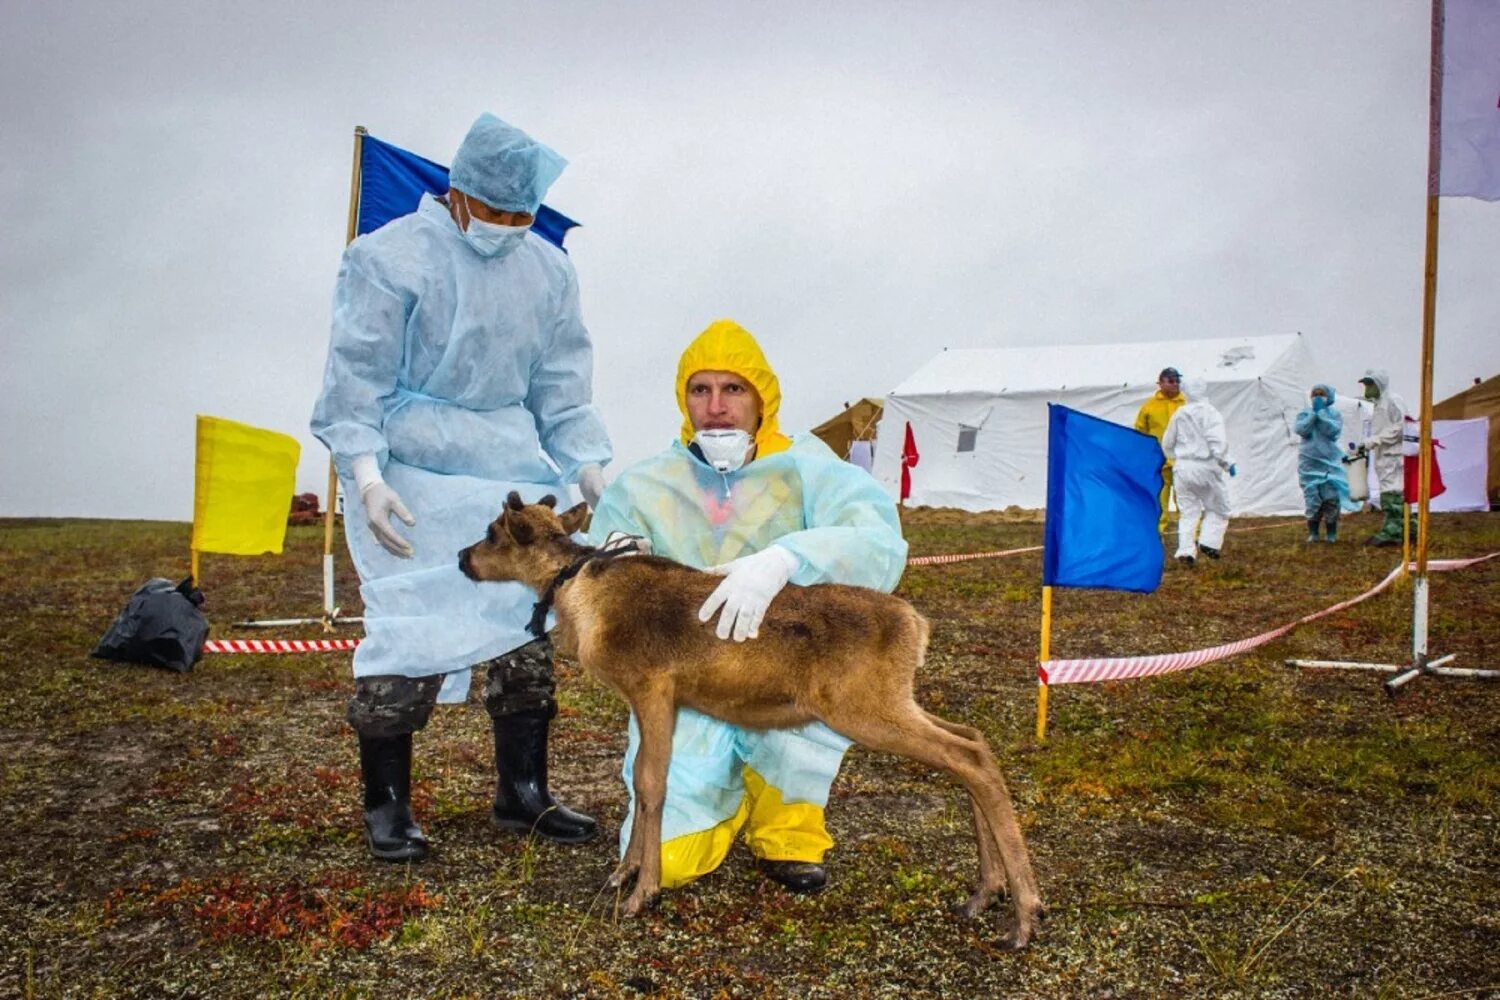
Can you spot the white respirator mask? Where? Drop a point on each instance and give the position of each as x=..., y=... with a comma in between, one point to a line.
x=724, y=449
x=490, y=239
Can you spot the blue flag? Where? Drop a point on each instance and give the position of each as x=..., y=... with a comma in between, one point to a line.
x=392, y=182
x=1103, y=503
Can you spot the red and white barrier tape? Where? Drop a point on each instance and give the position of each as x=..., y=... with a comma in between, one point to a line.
x=1050, y=672
x=1126, y=667
x=278, y=645
x=966, y=556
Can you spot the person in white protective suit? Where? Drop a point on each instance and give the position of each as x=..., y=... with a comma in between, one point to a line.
x=1383, y=444
x=736, y=497
x=1198, y=447
x=458, y=370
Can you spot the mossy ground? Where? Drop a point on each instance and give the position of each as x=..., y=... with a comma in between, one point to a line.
x=1242, y=829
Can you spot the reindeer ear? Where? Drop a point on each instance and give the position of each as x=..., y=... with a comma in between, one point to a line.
x=514, y=501
x=548, y=501
x=576, y=519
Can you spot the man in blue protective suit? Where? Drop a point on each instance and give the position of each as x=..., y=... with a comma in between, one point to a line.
x=1320, y=463
x=458, y=370
x=736, y=497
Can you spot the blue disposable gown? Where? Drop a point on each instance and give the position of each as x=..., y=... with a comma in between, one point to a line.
x=468, y=377
x=1320, y=456
x=841, y=526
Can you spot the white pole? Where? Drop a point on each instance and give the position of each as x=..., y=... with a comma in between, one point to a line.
x=1419, y=620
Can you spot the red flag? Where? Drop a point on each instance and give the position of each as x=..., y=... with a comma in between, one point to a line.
x=1411, y=445
x=909, y=458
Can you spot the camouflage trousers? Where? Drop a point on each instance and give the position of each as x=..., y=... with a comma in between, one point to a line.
x=518, y=681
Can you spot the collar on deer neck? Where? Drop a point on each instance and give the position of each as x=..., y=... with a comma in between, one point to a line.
x=538, y=624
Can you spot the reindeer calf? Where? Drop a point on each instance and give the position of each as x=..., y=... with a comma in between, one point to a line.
x=845, y=656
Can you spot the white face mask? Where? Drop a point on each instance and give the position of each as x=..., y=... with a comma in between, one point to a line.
x=724, y=449
x=490, y=239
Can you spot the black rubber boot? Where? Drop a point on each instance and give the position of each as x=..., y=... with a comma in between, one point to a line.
x=522, y=802
x=390, y=831
x=794, y=876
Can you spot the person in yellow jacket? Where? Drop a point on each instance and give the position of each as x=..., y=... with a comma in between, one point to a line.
x=1153, y=418
x=736, y=497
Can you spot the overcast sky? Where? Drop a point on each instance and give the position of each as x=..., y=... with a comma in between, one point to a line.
x=859, y=184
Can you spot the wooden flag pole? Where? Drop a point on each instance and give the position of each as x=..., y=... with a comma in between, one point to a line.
x=1043, y=655
x=1422, y=662
x=329, y=611
x=1405, y=534
x=1419, y=649
x=1424, y=446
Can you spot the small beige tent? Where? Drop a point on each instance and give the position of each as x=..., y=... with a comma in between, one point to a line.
x=856, y=423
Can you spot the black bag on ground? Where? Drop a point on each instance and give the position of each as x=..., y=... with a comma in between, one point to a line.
x=161, y=626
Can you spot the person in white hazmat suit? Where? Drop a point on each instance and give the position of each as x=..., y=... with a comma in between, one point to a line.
x=458, y=370
x=1196, y=443
x=736, y=497
x=1383, y=444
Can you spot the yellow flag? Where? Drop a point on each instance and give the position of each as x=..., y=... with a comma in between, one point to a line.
x=243, y=491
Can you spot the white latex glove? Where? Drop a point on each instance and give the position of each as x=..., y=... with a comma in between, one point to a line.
x=638, y=545
x=750, y=583
x=591, y=484
x=380, y=503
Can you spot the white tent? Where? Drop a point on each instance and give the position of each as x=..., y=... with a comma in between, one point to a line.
x=979, y=416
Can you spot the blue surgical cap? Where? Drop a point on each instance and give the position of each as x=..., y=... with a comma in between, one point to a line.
x=504, y=167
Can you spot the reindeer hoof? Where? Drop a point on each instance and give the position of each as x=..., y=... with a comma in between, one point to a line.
x=976, y=904
x=620, y=876
x=1015, y=941
x=1025, y=929
x=638, y=903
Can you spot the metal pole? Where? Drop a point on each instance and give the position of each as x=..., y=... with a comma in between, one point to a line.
x=1343, y=665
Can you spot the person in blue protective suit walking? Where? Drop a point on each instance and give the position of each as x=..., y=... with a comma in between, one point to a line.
x=458, y=370
x=1320, y=465
x=736, y=497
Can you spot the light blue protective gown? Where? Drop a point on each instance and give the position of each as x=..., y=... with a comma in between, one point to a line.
x=1320, y=455
x=842, y=527
x=468, y=377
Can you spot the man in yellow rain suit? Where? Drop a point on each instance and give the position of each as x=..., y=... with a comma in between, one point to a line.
x=1153, y=418
x=737, y=497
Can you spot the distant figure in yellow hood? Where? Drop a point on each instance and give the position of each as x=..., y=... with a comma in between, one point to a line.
x=735, y=496
x=1154, y=416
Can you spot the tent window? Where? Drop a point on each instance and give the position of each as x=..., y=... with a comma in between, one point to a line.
x=967, y=437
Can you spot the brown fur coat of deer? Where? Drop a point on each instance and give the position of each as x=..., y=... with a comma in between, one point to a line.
x=845, y=656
